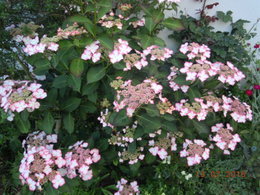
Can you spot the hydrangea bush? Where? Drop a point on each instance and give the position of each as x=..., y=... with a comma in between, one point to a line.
x=106, y=78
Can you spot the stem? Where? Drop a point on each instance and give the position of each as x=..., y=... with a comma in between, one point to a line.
x=203, y=9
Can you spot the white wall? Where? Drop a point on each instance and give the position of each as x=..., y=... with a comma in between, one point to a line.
x=242, y=9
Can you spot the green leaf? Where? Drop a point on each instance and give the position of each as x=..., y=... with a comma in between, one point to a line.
x=105, y=7
x=150, y=124
x=22, y=124
x=173, y=24
x=149, y=24
x=88, y=107
x=83, y=20
x=68, y=122
x=193, y=93
x=119, y=118
x=60, y=82
x=152, y=110
x=181, y=80
x=146, y=41
x=95, y=73
x=71, y=104
x=89, y=88
x=225, y=17
x=77, y=67
x=47, y=123
x=106, y=41
x=74, y=82
x=169, y=126
x=201, y=127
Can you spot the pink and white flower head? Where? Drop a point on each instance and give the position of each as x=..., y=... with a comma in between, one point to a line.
x=134, y=96
x=137, y=60
x=173, y=75
x=161, y=145
x=195, y=50
x=194, y=110
x=169, y=1
x=195, y=151
x=39, y=166
x=138, y=23
x=201, y=70
x=158, y=53
x=103, y=119
x=125, y=188
x=16, y=96
x=131, y=157
x=92, y=52
x=121, y=48
x=228, y=73
x=124, y=137
x=39, y=138
x=240, y=111
x=79, y=159
x=112, y=20
x=224, y=138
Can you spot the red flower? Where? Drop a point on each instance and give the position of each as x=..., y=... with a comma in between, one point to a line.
x=257, y=87
x=249, y=92
x=257, y=46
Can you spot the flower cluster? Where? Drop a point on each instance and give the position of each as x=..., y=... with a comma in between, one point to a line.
x=92, y=52
x=125, y=7
x=69, y=31
x=240, y=111
x=125, y=137
x=121, y=48
x=165, y=106
x=174, y=85
x=158, y=53
x=137, y=60
x=138, y=23
x=204, y=69
x=169, y=1
x=224, y=139
x=132, y=157
x=110, y=20
x=195, y=50
x=103, y=119
x=162, y=144
x=39, y=138
x=129, y=189
x=187, y=176
x=17, y=96
x=194, y=151
x=134, y=96
x=79, y=160
x=41, y=163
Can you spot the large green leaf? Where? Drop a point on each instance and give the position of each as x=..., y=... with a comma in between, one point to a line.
x=60, y=81
x=106, y=41
x=22, y=124
x=47, y=123
x=77, y=67
x=150, y=124
x=193, y=93
x=201, y=127
x=74, y=82
x=119, y=118
x=96, y=73
x=173, y=24
x=150, y=24
x=181, y=80
x=68, y=122
x=89, y=88
x=71, y=104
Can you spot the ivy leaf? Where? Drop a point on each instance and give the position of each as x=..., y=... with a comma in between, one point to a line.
x=173, y=24
x=150, y=124
x=71, y=104
x=68, y=122
x=95, y=73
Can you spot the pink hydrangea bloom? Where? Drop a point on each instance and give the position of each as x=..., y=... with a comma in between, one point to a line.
x=92, y=52
x=125, y=188
x=194, y=151
x=79, y=159
x=195, y=50
x=121, y=48
x=158, y=53
x=224, y=138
